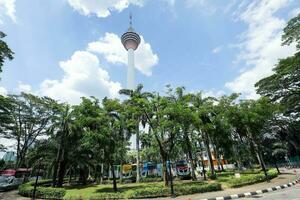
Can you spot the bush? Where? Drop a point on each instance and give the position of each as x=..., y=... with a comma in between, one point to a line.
x=148, y=192
x=191, y=188
x=41, y=192
x=150, y=179
x=180, y=189
x=247, y=179
x=141, y=190
x=213, y=176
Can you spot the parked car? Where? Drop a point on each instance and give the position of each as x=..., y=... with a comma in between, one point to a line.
x=10, y=183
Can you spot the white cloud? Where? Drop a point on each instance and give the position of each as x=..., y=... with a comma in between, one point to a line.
x=24, y=88
x=3, y=91
x=206, y=6
x=261, y=44
x=7, y=7
x=102, y=8
x=217, y=49
x=213, y=93
x=83, y=76
x=111, y=48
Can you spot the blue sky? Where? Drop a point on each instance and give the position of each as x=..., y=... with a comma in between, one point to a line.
x=71, y=48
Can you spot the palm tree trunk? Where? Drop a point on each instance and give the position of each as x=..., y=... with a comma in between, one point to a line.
x=190, y=154
x=206, y=141
x=114, y=177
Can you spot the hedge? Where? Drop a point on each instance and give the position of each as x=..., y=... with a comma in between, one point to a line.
x=150, y=190
x=26, y=190
x=248, y=179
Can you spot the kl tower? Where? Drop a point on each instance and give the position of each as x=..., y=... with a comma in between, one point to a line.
x=130, y=40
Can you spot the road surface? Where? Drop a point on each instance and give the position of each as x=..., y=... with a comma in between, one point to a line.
x=291, y=193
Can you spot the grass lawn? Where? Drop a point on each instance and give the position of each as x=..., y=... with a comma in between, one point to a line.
x=138, y=190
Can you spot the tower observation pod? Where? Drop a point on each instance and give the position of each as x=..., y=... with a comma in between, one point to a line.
x=130, y=40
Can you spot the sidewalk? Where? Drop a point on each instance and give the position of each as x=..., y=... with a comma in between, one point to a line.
x=286, y=177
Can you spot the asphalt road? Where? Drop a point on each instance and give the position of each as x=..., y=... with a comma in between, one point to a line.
x=292, y=193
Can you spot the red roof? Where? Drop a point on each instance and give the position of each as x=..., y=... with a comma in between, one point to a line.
x=9, y=172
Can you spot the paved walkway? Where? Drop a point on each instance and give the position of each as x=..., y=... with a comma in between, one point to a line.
x=12, y=195
x=286, y=177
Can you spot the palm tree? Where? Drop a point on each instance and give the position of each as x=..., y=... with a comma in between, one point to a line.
x=203, y=109
x=132, y=106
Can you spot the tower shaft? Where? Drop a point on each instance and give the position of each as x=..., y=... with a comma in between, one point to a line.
x=131, y=70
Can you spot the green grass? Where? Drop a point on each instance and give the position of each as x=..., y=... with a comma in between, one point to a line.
x=138, y=190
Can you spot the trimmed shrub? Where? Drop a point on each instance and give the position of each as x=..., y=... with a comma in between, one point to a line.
x=148, y=192
x=143, y=190
x=179, y=189
x=248, y=179
x=150, y=179
x=26, y=190
x=213, y=176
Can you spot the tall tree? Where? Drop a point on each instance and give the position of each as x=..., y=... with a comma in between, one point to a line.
x=135, y=118
x=204, y=113
x=5, y=51
x=284, y=86
x=30, y=119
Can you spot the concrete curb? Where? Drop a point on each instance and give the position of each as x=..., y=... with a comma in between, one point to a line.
x=249, y=194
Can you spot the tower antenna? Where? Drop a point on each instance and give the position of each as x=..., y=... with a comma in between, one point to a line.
x=130, y=20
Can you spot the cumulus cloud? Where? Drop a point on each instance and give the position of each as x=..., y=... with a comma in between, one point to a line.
x=261, y=44
x=24, y=88
x=102, y=8
x=213, y=93
x=83, y=76
x=111, y=48
x=7, y=8
x=3, y=91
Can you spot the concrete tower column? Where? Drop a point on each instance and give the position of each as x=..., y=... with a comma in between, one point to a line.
x=131, y=70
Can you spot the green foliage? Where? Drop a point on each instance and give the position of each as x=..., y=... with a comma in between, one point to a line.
x=142, y=190
x=5, y=51
x=41, y=192
x=150, y=179
x=292, y=32
x=247, y=178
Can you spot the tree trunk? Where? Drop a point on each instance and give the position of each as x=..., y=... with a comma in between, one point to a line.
x=61, y=173
x=217, y=158
x=114, y=177
x=102, y=170
x=275, y=163
x=82, y=176
x=206, y=141
x=259, y=155
x=165, y=171
x=203, y=166
x=190, y=154
x=70, y=175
